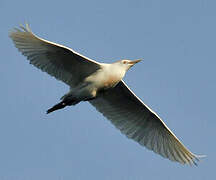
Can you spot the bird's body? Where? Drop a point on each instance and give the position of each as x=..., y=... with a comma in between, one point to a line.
x=102, y=85
x=103, y=79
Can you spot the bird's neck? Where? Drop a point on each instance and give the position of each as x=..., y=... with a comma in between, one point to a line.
x=107, y=77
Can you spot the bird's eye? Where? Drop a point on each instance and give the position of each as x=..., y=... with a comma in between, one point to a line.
x=124, y=62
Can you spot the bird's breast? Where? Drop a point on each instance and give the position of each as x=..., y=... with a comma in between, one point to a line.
x=105, y=78
x=110, y=81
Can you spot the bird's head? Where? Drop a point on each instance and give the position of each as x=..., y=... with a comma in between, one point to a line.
x=127, y=64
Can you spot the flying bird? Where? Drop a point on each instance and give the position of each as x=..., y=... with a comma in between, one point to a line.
x=102, y=86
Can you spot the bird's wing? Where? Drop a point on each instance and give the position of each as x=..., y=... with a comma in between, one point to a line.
x=138, y=122
x=59, y=61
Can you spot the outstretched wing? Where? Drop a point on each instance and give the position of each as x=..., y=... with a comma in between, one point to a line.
x=138, y=122
x=59, y=61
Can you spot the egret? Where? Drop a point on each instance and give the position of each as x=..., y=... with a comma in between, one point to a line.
x=102, y=86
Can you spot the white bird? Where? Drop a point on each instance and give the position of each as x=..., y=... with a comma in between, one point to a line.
x=101, y=84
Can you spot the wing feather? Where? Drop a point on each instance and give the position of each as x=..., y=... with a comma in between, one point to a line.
x=59, y=61
x=138, y=122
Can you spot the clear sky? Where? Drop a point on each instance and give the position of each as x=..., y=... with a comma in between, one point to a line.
x=176, y=79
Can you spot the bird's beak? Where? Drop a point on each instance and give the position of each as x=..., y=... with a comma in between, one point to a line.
x=135, y=61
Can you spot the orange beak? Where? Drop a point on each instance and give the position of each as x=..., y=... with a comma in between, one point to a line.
x=135, y=61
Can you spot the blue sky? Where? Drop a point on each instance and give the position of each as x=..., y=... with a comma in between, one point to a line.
x=176, y=79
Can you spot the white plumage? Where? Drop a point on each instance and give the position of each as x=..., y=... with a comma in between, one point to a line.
x=102, y=85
